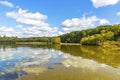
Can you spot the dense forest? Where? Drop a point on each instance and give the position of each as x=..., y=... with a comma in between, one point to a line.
x=94, y=36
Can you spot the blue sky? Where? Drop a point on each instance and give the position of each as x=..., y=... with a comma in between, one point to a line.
x=27, y=18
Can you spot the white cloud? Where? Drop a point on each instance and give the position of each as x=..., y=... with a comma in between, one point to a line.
x=103, y=21
x=101, y=3
x=5, y=29
x=82, y=23
x=8, y=31
x=39, y=31
x=35, y=22
x=6, y=3
x=118, y=13
x=19, y=26
x=36, y=31
x=76, y=22
x=23, y=16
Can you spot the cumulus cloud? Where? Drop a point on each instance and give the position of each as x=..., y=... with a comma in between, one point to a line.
x=76, y=22
x=6, y=3
x=23, y=16
x=8, y=31
x=82, y=23
x=36, y=31
x=39, y=31
x=19, y=26
x=103, y=21
x=5, y=29
x=118, y=13
x=35, y=21
x=101, y=3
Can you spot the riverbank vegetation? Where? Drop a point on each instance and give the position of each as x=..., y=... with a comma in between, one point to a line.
x=30, y=40
x=101, y=35
x=105, y=35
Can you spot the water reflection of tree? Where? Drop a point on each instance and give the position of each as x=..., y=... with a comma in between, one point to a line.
x=6, y=46
x=99, y=54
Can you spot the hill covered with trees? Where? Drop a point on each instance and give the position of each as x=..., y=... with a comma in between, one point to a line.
x=94, y=36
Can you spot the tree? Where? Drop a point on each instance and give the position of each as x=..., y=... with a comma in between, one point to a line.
x=56, y=40
x=109, y=35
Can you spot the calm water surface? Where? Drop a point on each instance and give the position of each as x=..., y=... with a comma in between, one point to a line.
x=58, y=62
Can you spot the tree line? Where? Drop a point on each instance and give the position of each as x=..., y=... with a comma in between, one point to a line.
x=6, y=39
x=93, y=36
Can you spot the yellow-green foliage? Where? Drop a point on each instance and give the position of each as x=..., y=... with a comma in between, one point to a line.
x=56, y=40
x=104, y=32
x=97, y=39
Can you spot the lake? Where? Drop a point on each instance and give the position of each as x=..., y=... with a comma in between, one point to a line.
x=58, y=62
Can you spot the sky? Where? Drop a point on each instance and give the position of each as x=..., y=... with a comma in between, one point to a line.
x=42, y=18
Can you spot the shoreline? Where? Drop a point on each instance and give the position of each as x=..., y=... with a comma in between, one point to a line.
x=70, y=44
